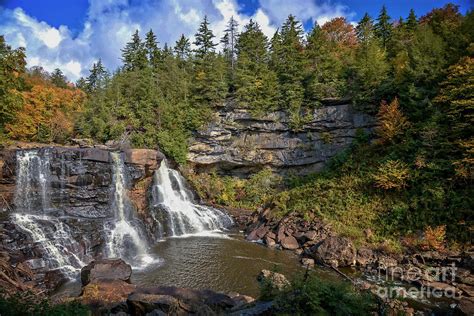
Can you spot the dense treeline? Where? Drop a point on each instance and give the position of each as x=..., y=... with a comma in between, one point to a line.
x=160, y=95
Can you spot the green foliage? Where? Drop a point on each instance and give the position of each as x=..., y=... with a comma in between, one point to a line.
x=12, y=66
x=28, y=304
x=309, y=295
x=255, y=84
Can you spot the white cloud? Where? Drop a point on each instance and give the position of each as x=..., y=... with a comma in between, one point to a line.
x=110, y=23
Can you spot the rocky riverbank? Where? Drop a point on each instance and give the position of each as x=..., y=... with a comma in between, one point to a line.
x=447, y=274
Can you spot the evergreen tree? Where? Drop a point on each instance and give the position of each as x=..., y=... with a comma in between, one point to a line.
x=152, y=51
x=58, y=78
x=97, y=79
x=412, y=22
x=256, y=85
x=229, y=41
x=209, y=83
x=203, y=40
x=290, y=68
x=134, y=55
x=182, y=48
x=365, y=29
x=383, y=27
x=370, y=68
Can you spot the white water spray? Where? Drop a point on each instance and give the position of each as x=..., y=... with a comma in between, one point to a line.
x=183, y=216
x=125, y=238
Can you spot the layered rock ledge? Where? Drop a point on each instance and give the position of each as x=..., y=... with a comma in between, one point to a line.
x=238, y=143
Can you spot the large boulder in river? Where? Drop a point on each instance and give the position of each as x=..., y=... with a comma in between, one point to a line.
x=106, y=269
x=276, y=280
x=335, y=251
x=289, y=242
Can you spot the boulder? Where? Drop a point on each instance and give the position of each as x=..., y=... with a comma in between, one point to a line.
x=143, y=304
x=190, y=300
x=257, y=233
x=270, y=242
x=311, y=235
x=335, y=251
x=307, y=262
x=276, y=280
x=106, y=269
x=289, y=242
x=54, y=279
x=106, y=294
x=365, y=256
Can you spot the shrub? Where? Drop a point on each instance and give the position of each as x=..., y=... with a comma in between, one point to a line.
x=309, y=295
x=390, y=121
x=30, y=304
x=434, y=238
x=392, y=174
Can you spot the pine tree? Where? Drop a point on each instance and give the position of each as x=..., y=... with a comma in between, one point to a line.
x=134, y=55
x=152, y=51
x=58, y=78
x=256, y=85
x=412, y=22
x=210, y=82
x=229, y=40
x=182, y=48
x=97, y=78
x=203, y=40
x=290, y=68
x=370, y=68
x=365, y=29
x=383, y=27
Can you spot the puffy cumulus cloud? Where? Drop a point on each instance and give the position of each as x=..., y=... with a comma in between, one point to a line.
x=46, y=46
x=110, y=23
x=305, y=10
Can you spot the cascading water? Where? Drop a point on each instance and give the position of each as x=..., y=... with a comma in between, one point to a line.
x=32, y=205
x=181, y=215
x=125, y=238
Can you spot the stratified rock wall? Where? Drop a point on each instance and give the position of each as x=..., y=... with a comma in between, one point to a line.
x=238, y=143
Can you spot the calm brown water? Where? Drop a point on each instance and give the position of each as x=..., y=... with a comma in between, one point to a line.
x=224, y=264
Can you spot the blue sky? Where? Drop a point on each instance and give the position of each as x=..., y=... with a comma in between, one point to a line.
x=73, y=34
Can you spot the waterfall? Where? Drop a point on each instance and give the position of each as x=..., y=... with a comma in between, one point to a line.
x=32, y=205
x=125, y=237
x=181, y=216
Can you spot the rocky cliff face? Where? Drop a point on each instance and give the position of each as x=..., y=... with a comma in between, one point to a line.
x=237, y=143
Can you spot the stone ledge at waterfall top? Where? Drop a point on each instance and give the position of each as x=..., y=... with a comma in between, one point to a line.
x=238, y=143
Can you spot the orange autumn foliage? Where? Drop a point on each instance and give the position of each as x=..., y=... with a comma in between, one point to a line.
x=391, y=121
x=47, y=114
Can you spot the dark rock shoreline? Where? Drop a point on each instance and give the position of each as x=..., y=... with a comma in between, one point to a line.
x=448, y=274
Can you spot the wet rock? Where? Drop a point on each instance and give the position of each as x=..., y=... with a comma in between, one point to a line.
x=191, y=300
x=276, y=280
x=143, y=304
x=36, y=263
x=106, y=269
x=241, y=300
x=289, y=242
x=257, y=233
x=335, y=251
x=270, y=242
x=54, y=279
